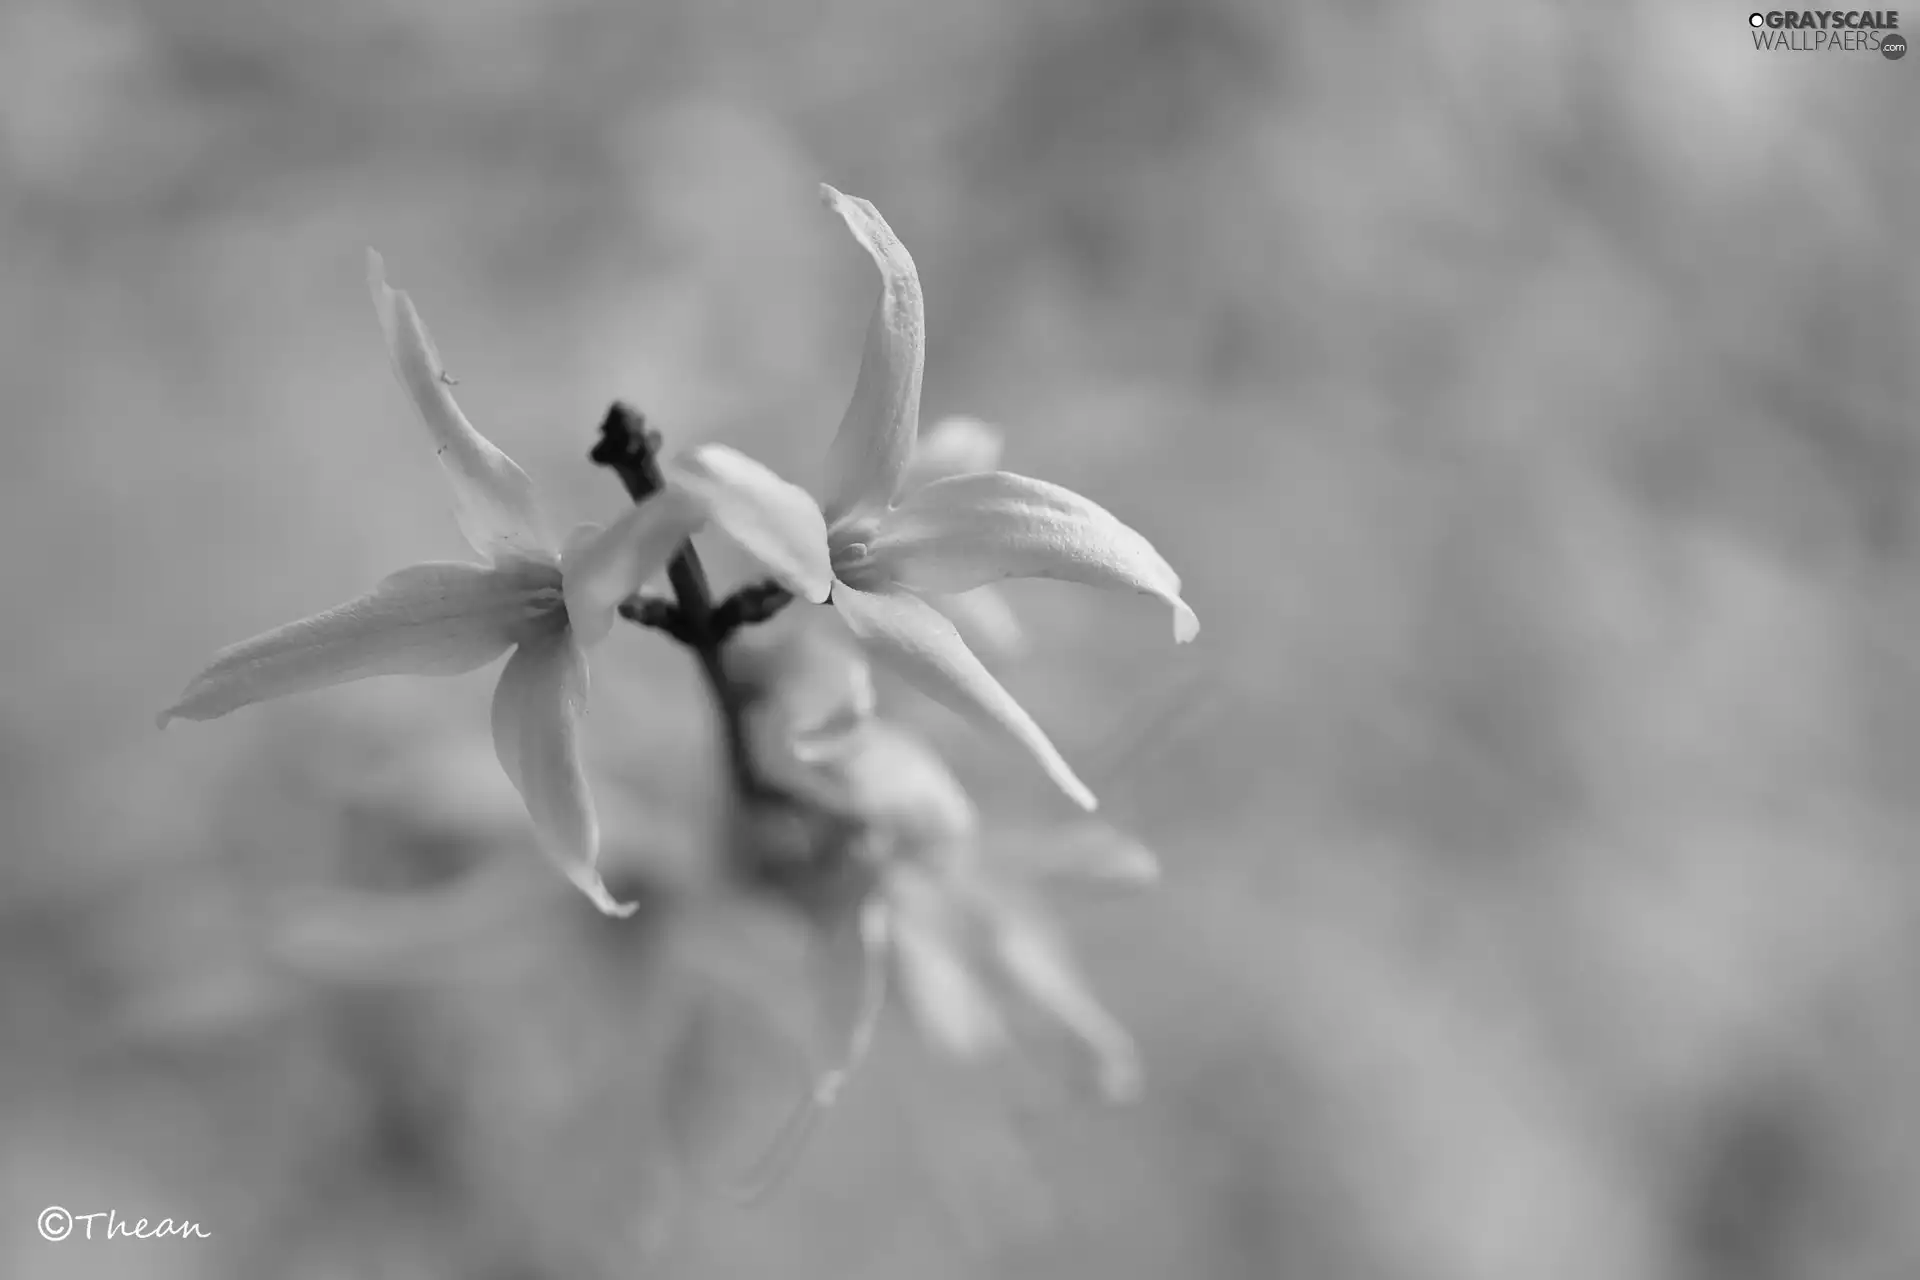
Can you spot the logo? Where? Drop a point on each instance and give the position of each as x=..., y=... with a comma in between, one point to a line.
x=1829, y=31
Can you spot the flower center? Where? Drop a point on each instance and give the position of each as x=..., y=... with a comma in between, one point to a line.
x=533, y=600
x=853, y=563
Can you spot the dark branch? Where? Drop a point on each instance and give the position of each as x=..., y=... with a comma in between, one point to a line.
x=661, y=615
x=786, y=836
x=632, y=452
x=748, y=605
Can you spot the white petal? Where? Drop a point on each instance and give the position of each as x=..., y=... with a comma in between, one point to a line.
x=427, y=620
x=605, y=566
x=493, y=499
x=1036, y=960
x=730, y=1053
x=1083, y=854
x=911, y=636
x=897, y=781
x=851, y=968
x=772, y=520
x=848, y=960
x=805, y=696
x=536, y=733
x=813, y=677
x=870, y=453
x=954, y=447
x=946, y=997
x=985, y=621
x=965, y=531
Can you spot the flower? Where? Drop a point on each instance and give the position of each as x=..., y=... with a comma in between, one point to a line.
x=955, y=913
x=895, y=547
x=960, y=911
x=545, y=601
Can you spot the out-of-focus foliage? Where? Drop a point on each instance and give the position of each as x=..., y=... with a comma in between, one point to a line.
x=1526, y=392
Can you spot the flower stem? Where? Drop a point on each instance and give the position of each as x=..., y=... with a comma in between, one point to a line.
x=631, y=451
x=789, y=844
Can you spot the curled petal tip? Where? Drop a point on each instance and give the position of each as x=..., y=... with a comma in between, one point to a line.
x=1186, y=623
x=163, y=719
x=1079, y=793
x=597, y=893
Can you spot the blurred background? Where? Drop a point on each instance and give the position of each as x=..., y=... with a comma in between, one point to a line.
x=1525, y=392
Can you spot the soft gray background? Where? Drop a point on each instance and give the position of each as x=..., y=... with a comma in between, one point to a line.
x=1526, y=393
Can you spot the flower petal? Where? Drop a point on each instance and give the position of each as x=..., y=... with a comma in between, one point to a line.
x=954, y=447
x=965, y=531
x=911, y=636
x=1035, y=958
x=427, y=620
x=536, y=733
x=850, y=964
x=952, y=1006
x=985, y=621
x=892, y=781
x=898, y=782
x=772, y=520
x=805, y=695
x=493, y=499
x=870, y=453
x=604, y=566
x=1082, y=854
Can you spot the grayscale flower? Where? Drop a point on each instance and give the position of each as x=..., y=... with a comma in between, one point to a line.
x=543, y=600
x=960, y=912
x=954, y=912
x=894, y=546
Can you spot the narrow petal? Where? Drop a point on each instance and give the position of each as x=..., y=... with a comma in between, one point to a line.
x=911, y=636
x=427, y=620
x=493, y=499
x=605, y=566
x=772, y=520
x=805, y=697
x=536, y=733
x=1036, y=960
x=965, y=531
x=813, y=680
x=897, y=781
x=871, y=451
x=946, y=997
x=985, y=621
x=854, y=982
x=728, y=1057
x=1088, y=854
x=954, y=446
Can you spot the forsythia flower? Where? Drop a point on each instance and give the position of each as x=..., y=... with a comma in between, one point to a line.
x=891, y=551
x=545, y=601
x=953, y=911
x=959, y=911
